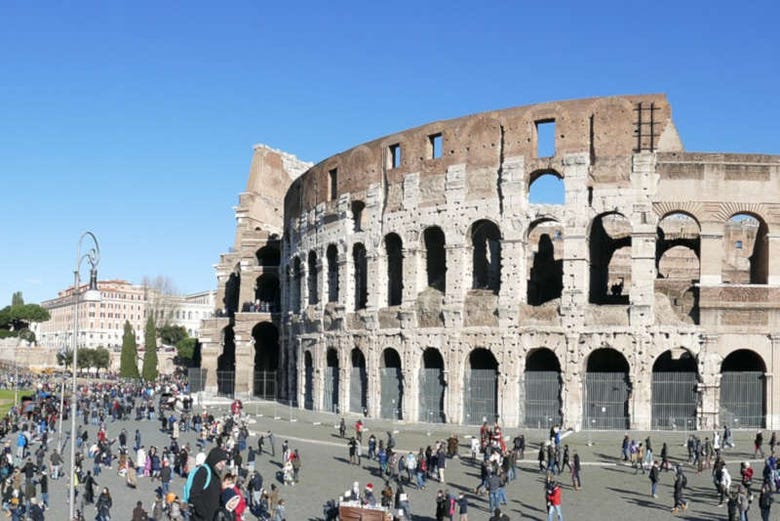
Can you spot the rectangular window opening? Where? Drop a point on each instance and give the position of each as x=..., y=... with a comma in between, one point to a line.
x=333, y=177
x=435, y=143
x=545, y=138
x=739, y=245
x=395, y=156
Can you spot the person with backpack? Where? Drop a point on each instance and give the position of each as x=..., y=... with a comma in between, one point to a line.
x=204, y=487
x=655, y=477
x=765, y=500
x=554, y=501
x=680, y=482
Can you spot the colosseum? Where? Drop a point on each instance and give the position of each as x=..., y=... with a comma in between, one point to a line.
x=429, y=275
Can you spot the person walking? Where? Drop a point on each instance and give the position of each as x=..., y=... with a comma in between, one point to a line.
x=725, y=483
x=206, y=486
x=765, y=500
x=655, y=477
x=104, y=504
x=463, y=507
x=554, y=501
x=758, y=441
x=680, y=482
x=576, y=470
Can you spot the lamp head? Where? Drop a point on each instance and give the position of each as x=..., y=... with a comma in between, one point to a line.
x=92, y=294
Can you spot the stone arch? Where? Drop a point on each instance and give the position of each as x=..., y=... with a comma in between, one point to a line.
x=610, y=259
x=545, y=261
x=332, y=257
x=395, y=269
x=311, y=278
x=391, y=385
x=486, y=255
x=546, y=186
x=607, y=390
x=268, y=293
x=330, y=397
x=678, y=266
x=542, y=389
x=308, y=380
x=358, y=382
x=743, y=389
x=266, y=340
x=269, y=256
x=358, y=212
x=675, y=390
x=435, y=257
x=481, y=389
x=226, y=363
x=297, y=275
x=745, y=249
x=431, y=387
x=360, y=265
x=232, y=291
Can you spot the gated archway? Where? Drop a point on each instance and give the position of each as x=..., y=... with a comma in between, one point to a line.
x=542, y=389
x=674, y=391
x=481, y=390
x=308, y=381
x=391, y=384
x=432, y=387
x=226, y=363
x=266, y=339
x=743, y=390
x=607, y=389
x=358, y=383
x=330, y=398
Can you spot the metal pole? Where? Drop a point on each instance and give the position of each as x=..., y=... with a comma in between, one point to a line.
x=74, y=361
x=62, y=411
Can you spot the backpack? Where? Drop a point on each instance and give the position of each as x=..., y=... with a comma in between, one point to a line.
x=191, y=477
x=684, y=481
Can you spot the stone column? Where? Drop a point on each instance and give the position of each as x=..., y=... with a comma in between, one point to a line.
x=244, y=373
x=773, y=243
x=711, y=253
x=410, y=288
x=572, y=373
x=641, y=380
x=576, y=271
x=772, y=386
x=709, y=387
x=411, y=362
x=454, y=378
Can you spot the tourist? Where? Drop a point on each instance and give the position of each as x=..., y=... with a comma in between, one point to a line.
x=103, y=505
x=206, y=486
x=655, y=477
x=554, y=501
x=765, y=500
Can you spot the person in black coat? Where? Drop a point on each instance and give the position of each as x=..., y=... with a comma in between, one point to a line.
x=204, y=496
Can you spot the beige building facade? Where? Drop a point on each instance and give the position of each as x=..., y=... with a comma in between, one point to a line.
x=415, y=276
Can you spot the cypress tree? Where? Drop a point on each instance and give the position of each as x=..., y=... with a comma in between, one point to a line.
x=149, y=369
x=128, y=364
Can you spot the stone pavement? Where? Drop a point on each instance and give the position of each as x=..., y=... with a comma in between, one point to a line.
x=610, y=490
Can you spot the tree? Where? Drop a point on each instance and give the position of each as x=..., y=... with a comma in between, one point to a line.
x=18, y=315
x=150, y=353
x=172, y=335
x=185, y=348
x=65, y=357
x=17, y=299
x=86, y=358
x=128, y=363
x=102, y=358
x=160, y=295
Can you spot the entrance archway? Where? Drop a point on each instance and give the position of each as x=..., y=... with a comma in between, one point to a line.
x=481, y=390
x=226, y=363
x=266, y=340
x=308, y=381
x=674, y=391
x=391, y=385
x=432, y=387
x=542, y=389
x=607, y=389
x=330, y=399
x=743, y=390
x=358, y=383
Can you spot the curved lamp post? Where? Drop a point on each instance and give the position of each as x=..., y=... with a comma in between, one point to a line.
x=92, y=256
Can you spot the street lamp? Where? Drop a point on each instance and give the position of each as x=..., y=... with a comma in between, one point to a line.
x=92, y=256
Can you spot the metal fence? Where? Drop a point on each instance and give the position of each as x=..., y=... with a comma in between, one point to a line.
x=265, y=385
x=480, y=396
x=308, y=388
x=197, y=379
x=226, y=383
x=742, y=396
x=391, y=393
x=606, y=401
x=431, y=395
x=357, y=390
x=542, y=391
x=330, y=398
x=674, y=400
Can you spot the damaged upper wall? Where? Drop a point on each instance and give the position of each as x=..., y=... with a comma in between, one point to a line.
x=609, y=129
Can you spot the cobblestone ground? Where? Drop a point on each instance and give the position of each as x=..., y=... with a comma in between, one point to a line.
x=610, y=490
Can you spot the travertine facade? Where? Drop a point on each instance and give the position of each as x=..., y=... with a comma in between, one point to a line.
x=414, y=279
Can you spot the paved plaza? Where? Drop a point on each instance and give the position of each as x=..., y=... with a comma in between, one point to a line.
x=610, y=489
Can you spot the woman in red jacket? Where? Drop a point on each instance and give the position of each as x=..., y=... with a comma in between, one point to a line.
x=554, y=501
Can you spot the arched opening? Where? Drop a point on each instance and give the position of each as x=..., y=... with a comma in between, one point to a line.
x=358, y=383
x=226, y=363
x=546, y=187
x=358, y=208
x=297, y=275
x=674, y=391
x=435, y=258
x=395, y=269
x=743, y=390
x=542, y=389
x=545, y=276
x=610, y=259
x=308, y=381
x=333, y=273
x=267, y=293
x=266, y=340
x=481, y=390
x=607, y=390
x=745, y=250
x=232, y=291
x=391, y=385
x=432, y=387
x=330, y=399
x=269, y=255
x=678, y=247
x=314, y=295
x=486, y=256
x=360, y=264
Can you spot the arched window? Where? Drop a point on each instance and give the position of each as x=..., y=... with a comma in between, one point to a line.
x=486, y=248
x=314, y=296
x=395, y=284
x=610, y=259
x=333, y=273
x=745, y=250
x=435, y=258
x=360, y=263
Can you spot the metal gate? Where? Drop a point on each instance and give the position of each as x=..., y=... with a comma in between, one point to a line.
x=357, y=390
x=308, y=387
x=431, y=395
x=606, y=401
x=330, y=398
x=392, y=393
x=674, y=400
x=542, y=399
x=265, y=385
x=480, y=396
x=226, y=383
x=197, y=379
x=742, y=399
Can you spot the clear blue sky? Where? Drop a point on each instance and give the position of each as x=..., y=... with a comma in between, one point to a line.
x=136, y=120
